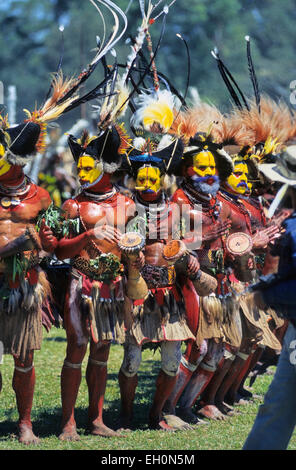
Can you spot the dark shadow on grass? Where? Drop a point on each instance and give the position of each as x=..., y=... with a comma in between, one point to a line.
x=58, y=339
x=45, y=424
x=48, y=422
x=143, y=399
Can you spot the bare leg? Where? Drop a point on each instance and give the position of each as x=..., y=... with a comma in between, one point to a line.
x=128, y=387
x=253, y=359
x=23, y=384
x=128, y=382
x=189, y=363
x=209, y=395
x=96, y=377
x=200, y=380
x=229, y=379
x=197, y=384
x=165, y=383
x=70, y=382
x=164, y=386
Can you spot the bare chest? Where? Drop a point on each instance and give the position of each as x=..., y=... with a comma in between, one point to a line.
x=94, y=214
x=24, y=212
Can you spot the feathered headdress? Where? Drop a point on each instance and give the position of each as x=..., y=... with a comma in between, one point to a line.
x=266, y=124
x=106, y=148
x=155, y=108
x=112, y=140
x=200, y=127
x=166, y=156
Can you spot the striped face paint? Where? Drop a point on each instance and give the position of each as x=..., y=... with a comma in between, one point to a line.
x=238, y=180
x=148, y=180
x=204, y=164
x=87, y=170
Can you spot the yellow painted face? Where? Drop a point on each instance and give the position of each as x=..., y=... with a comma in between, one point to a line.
x=4, y=165
x=148, y=179
x=238, y=180
x=204, y=164
x=87, y=169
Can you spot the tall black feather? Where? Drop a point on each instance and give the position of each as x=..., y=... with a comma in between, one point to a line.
x=103, y=60
x=95, y=93
x=223, y=74
x=162, y=76
x=253, y=74
x=188, y=64
x=228, y=75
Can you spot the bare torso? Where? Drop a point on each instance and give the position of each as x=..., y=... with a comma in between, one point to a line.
x=114, y=211
x=161, y=232
x=15, y=219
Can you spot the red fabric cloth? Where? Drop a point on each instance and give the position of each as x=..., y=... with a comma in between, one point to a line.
x=105, y=289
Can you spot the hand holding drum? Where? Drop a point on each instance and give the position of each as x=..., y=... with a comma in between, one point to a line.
x=131, y=244
x=175, y=253
x=239, y=246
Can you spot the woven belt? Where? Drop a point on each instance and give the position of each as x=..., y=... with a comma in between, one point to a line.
x=158, y=276
x=83, y=265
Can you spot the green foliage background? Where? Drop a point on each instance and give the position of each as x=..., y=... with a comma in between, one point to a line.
x=30, y=44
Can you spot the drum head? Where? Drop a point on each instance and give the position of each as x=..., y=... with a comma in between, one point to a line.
x=239, y=243
x=131, y=242
x=173, y=250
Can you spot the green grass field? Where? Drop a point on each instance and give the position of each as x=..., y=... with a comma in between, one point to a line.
x=226, y=435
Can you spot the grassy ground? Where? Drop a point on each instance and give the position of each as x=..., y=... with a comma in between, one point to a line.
x=227, y=435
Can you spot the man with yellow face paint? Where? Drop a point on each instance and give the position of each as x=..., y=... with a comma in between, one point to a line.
x=95, y=300
x=248, y=218
x=238, y=180
x=88, y=171
x=160, y=318
x=203, y=163
x=21, y=202
x=4, y=164
x=149, y=181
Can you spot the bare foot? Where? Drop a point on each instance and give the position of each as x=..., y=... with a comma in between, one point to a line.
x=242, y=401
x=190, y=417
x=244, y=393
x=124, y=424
x=69, y=433
x=211, y=412
x=99, y=429
x=176, y=423
x=160, y=423
x=224, y=408
x=26, y=435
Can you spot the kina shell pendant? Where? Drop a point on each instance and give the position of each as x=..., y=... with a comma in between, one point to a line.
x=5, y=202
